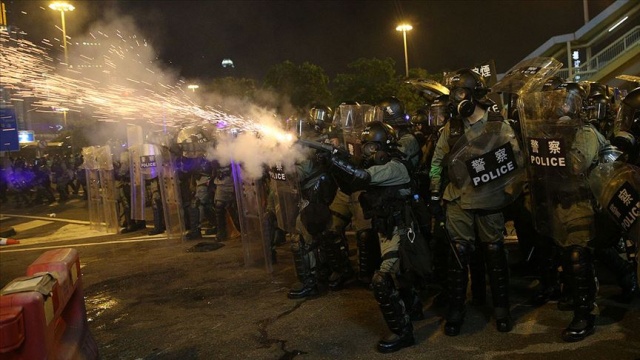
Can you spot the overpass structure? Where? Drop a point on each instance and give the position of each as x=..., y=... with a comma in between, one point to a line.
x=606, y=49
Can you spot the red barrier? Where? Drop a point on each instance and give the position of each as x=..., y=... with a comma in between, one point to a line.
x=43, y=315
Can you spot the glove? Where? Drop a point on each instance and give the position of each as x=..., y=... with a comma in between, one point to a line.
x=349, y=177
x=435, y=205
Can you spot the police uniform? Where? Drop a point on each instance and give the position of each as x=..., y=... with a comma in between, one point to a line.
x=317, y=192
x=466, y=220
x=387, y=191
x=563, y=150
x=224, y=200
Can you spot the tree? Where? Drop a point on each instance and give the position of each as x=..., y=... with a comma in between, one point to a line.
x=367, y=80
x=240, y=88
x=303, y=84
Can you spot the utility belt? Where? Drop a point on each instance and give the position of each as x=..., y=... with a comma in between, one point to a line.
x=385, y=217
x=224, y=173
x=567, y=198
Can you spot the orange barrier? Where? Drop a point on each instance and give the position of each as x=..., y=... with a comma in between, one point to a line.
x=43, y=315
x=8, y=241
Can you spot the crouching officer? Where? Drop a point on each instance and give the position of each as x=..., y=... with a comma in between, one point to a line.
x=386, y=200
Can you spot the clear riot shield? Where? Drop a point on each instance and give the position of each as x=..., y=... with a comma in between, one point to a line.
x=168, y=183
x=560, y=193
x=351, y=120
x=138, y=198
x=94, y=198
x=170, y=192
x=286, y=189
x=527, y=76
x=488, y=167
x=616, y=186
x=251, y=200
x=107, y=188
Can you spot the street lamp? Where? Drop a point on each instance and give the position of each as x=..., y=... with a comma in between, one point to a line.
x=62, y=7
x=64, y=111
x=193, y=87
x=404, y=28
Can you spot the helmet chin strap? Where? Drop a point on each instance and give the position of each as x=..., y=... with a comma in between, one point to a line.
x=478, y=113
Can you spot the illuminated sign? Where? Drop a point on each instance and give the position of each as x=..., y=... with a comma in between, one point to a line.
x=26, y=136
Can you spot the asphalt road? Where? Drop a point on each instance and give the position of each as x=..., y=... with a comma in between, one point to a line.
x=151, y=298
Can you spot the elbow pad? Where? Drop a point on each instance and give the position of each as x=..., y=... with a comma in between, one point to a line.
x=349, y=177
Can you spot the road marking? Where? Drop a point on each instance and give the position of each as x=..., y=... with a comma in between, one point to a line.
x=30, y=225
x=81, y=222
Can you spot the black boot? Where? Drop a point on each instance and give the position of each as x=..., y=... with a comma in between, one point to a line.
x=369, y=257
x=158, y=219
x=394, y=312
x=549, y=287
x=623, y=270
x=458, y=276
x=478, y=274
x=498, y=268
x=221, y=221
x=578, y=264
x=412, y=303
x=194, y=224
x=338, y=258
x=305, y=260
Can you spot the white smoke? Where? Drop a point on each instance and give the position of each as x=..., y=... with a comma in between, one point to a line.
x=116, y=76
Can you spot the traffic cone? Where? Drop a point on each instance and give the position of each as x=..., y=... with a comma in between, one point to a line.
x=7, y=241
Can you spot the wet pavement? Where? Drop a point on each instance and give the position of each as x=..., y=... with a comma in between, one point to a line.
x=152, y=298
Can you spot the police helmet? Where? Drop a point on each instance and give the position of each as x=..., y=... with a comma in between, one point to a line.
x=465, y=83
x=421, y=116
x=320, y=116
x=439, y=111
x=393, y=112
x=378, y=139
x=627, y=123
x=598, y=104
x=467, y=89
x=193, y=140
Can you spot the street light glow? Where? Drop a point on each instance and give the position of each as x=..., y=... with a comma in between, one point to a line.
x=61, y=6
x=404, y=28
x=192, y=87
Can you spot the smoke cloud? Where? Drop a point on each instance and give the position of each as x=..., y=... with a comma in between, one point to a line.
x=115, y=76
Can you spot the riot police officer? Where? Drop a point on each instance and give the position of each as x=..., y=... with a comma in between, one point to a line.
x=562, y=149
x=224, y=200
x=317, y=191
x=348, y=122
x=386, y=200
x=393, y=114
x=473, y=206
x=194, y=141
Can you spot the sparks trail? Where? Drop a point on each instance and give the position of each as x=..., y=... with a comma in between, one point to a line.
x=28, y=72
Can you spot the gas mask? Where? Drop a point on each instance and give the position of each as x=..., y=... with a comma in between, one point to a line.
x=373, y=154
x=463, y=103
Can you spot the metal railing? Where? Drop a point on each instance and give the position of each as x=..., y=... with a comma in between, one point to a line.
x=624, y=44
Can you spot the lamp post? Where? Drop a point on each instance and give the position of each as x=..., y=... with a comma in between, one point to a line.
x=193, y=87
x=62, y=7
x=64, y=111
x=404, y=28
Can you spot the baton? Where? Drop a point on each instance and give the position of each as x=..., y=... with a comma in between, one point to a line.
x=453, y=248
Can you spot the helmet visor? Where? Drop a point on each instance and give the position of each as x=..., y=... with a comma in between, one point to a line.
x=626, y=118
x=437, y=115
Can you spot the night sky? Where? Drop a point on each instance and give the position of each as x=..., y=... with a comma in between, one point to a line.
x=193, y=37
